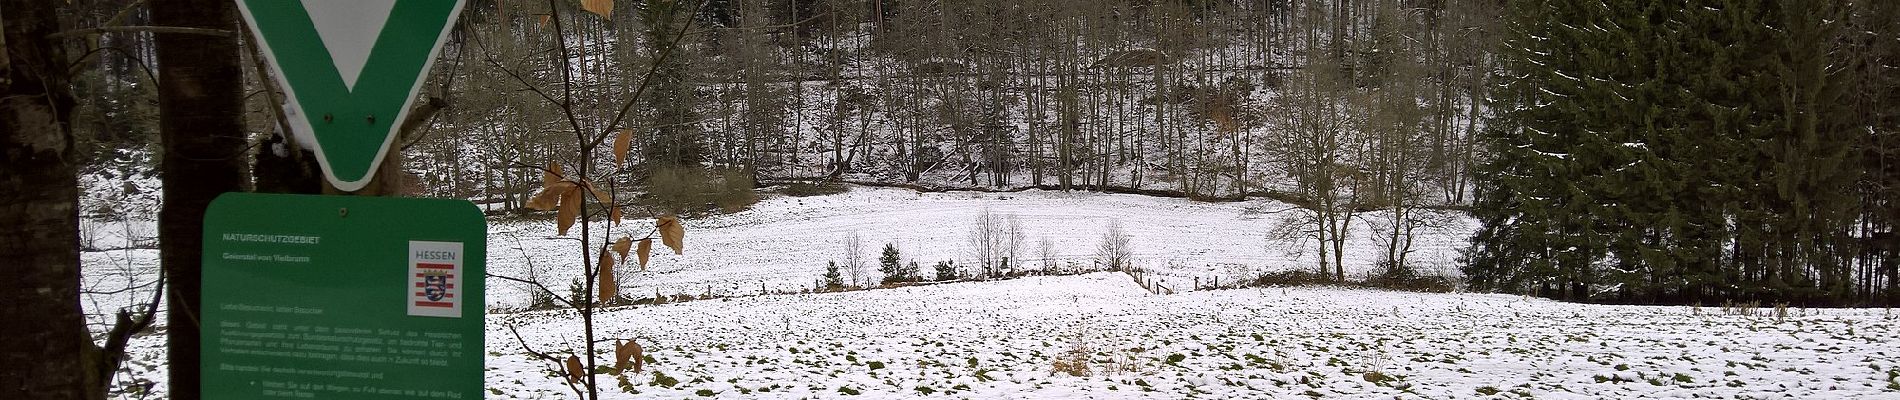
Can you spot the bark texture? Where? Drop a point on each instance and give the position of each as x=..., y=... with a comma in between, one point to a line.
x=201, y=126
x=43, y=339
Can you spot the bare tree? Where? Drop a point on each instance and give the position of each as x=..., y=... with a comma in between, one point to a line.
x=1012, y=244
x=854, y=259
x=987, y=242
x=1048, y=253
x=1116, y=250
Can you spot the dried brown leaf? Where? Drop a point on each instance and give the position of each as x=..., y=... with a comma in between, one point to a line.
x=671, y=233
x=573, y=369
x=623, y=245
x=609, y=287
x=615, y=214
x=627, y=356
x=646, y=249
x=548, y=199
x=603, y=7
x=552, y=175
x=570, y=209
x=621, y=144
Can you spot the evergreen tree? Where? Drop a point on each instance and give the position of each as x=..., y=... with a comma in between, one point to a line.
x=946, y=271
x=833, y=279
x=888, y=264
x=675, y=140
x=1670, y=152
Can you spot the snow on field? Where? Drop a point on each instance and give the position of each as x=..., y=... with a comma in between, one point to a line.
x=1001, y=340
x=783, y=243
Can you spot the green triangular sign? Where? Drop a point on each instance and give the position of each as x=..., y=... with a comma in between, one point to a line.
x=351, y=68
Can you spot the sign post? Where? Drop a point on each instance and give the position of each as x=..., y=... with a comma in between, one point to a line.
x=342, y=297
x=350, y=69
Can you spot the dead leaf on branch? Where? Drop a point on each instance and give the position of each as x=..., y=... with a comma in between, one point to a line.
x=552, y=175
x=621, y=145
x=646, y=249
x=570, y=209
x=671, y=233
x=550, y=197
x=605, y=8
x=609, y=287
x=623, y=245
x=628, y=356
x=573, y=369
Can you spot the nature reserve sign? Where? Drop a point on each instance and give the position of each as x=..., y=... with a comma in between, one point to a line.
x=350, y=69
x=342, y=297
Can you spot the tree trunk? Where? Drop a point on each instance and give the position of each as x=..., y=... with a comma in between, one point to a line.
x=201, y=128
x=44, y=340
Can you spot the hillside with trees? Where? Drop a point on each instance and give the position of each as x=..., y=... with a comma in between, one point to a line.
x=1658, y=152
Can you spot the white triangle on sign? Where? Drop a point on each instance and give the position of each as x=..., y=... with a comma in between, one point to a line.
x=349, y=29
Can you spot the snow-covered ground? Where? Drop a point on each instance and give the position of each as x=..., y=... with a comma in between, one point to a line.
x=783, y=243
x=1002, y=339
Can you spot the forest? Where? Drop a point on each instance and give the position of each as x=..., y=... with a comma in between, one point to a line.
x=1678, y=152
x=1594, y=154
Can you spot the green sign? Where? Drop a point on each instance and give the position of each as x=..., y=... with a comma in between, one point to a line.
x=351, y=68
x=342, y=297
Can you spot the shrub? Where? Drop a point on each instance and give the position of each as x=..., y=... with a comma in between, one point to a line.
x=833, y=280
x=802, y=189
x=946, y=271
x=1292, y=278
x=736, y=190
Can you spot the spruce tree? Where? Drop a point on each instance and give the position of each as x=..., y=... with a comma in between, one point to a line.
x=833, y=279
x=1671, y=152
x=888, y=264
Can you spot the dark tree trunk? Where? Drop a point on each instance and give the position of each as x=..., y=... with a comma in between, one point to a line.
x=43, y=339
x=202, y=129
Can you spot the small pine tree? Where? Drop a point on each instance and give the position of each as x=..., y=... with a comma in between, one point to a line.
x=888, y=264
x=833, y=280
x=912, y=273
x=946, y=271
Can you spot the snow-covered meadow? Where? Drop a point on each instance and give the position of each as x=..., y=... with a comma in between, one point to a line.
x=1001, y=340
x=783, y=242
x=1005, y=339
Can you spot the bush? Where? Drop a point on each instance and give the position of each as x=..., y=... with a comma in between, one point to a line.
x=1402, y=282
x=737, y=190
x=946, y=271
x=687, y=189
x=1292, y=278
x=802, y=189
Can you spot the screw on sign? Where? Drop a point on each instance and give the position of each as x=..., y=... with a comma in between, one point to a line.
x=349, y=60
